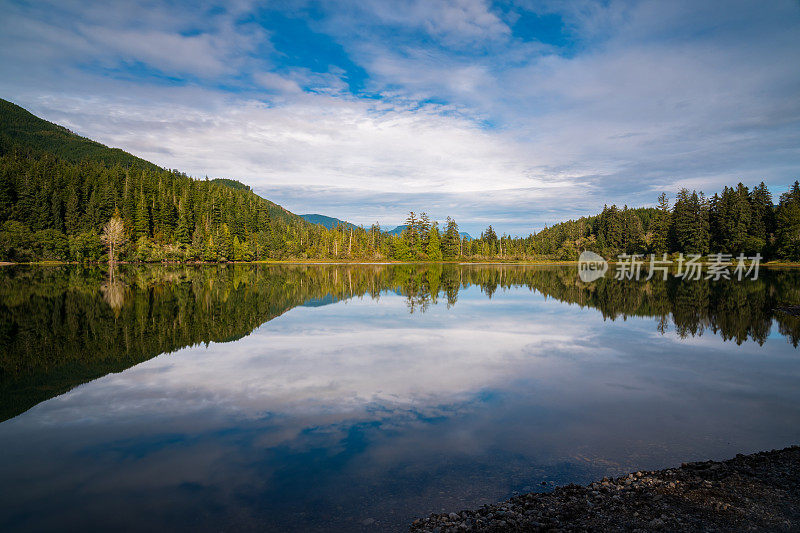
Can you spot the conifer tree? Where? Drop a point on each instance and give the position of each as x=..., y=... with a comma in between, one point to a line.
x=762, y=220
x=451, y=240
x=72, y=213
x=183, y=233
x=433, y=249
x=225, y=243
x=788, y=224
x=142, y=217
x=662, y=226
x=690, y=214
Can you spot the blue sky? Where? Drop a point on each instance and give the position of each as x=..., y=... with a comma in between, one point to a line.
x=516, y=113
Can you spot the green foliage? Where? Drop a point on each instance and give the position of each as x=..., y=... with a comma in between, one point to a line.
x=451, y=240
x=730, y=219
x=402, y=251
x=788, y=224
x=662, y=223
x=690, y=222
x=241, y=250
x=233, y=184
x=762, y=221
x=52, y=245
x=16, y=241
x=225, y=249
x=85, y=246
x=433, y=249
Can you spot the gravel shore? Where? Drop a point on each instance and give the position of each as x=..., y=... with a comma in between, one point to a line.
x=758, y=492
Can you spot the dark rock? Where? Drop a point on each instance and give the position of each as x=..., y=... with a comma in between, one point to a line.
x=750, y=492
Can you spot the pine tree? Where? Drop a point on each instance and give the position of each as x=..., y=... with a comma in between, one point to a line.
x=225, y=249
x=662, y=226
x=632, y=231
x=788, y=224
x=451, y=240
x=72, y=213
x=730, y=216
x=762, y=219
x=183, y=233
x=423, y=226
x=142, y=225
x=690, y=214
x=489, y=242
x=210, y=250
x=401, y=251
x=433, y=249
x=611, y=229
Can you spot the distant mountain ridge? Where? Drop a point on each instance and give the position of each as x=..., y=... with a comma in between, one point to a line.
x=399, y=231
x=332, y=222
x=328, y=222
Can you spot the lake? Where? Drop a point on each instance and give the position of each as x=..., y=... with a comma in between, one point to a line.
x=358, y=397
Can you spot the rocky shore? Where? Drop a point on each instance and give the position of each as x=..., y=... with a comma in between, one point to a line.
x=758, y=492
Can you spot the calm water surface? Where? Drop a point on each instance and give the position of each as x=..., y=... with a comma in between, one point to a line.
x=360, y=397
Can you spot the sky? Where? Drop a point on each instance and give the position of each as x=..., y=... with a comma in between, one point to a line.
x=515, y=114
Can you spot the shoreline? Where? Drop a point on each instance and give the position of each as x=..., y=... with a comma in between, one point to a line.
x=759, y=491
x=770, y=264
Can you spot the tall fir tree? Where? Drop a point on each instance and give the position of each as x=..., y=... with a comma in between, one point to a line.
x=142, y=226
x=788, y=224
x=662, y=226
x=433, y=249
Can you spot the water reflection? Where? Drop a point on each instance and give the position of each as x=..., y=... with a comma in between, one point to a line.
x=386, y=392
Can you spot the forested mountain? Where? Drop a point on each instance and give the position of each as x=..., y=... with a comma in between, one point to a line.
x=233, y=184
x=21, y=128
x=64, y=197
x=58, y=191
x=398, y=230
x=328, y=222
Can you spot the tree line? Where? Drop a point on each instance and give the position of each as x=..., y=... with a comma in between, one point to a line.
x=55, y=209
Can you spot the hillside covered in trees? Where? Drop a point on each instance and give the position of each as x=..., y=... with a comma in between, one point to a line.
x=59, y=192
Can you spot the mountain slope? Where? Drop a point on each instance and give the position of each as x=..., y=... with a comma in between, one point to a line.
x=233, y=184
x=328, y=222
x=20, y=127
x=58, y=190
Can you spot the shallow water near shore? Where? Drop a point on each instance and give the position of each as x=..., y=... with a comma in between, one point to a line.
x=358, y=397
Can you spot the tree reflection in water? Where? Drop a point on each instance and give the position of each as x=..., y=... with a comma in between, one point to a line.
x=66, y=325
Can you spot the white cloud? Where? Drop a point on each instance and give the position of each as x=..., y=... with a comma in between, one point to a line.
x=313, y=140
x=454, y=22
x=281, y=84
x=650, y=97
